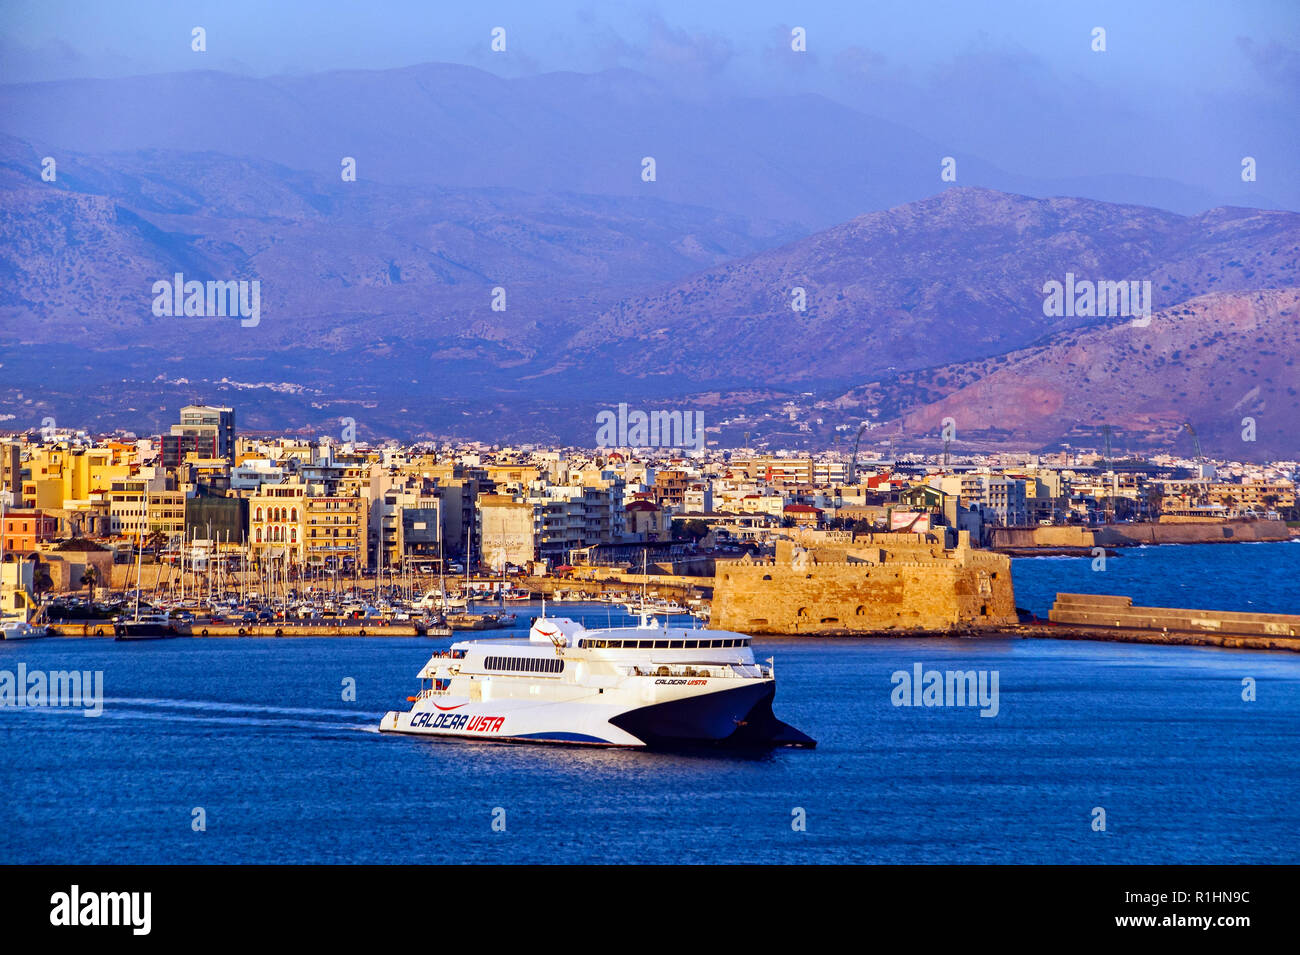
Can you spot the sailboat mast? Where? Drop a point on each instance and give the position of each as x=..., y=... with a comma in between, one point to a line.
x=139, y=555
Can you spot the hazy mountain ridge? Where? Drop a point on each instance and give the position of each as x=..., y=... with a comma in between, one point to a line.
x=796, y=157
x=1211, y=361
x=950, y=278
x=379, y=296
x=422, y=262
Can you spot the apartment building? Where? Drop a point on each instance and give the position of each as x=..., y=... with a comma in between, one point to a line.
x=335, y=531
x=23, y=531
x=166, y=514
x=276, y=523
x=505, y=534
x=204, y=430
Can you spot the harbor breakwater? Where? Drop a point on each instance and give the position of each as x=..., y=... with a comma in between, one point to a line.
x=1074, y=536
x=1108, y=617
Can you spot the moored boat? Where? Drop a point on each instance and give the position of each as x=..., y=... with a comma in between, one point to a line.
x=148, y=626
x=17, y=628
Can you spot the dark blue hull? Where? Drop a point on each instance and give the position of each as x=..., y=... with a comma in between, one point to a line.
x=739, y=717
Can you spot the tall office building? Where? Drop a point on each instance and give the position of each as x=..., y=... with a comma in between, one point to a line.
x=204, y=430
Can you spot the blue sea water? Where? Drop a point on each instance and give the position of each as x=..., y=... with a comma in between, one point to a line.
x=1259, y=577
x=256, y=733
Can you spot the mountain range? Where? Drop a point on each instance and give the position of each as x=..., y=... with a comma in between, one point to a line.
x=793, y=261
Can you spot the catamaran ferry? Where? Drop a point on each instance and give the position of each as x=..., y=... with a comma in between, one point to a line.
x=643, y=686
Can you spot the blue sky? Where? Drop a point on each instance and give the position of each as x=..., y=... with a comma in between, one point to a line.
x=1185, y=42
x=1184, y=90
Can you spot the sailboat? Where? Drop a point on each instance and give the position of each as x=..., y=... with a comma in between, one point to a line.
x=657, y=606
x=149, y=626
x=475, y=621
x=504, y=617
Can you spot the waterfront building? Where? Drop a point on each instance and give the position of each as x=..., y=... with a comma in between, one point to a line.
x=216, y=517
x=505, y=532
x=335, y=530
x=24, y=530
x=276, y=525
x=128, y=501
x=166, y=514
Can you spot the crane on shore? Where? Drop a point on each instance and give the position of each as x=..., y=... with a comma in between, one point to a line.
x=853, y=461
x=1203, y=494
x=1200, y=458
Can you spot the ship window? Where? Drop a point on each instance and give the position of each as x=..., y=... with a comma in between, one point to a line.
x=675, y=644
x=524, y=664
x=692, y=644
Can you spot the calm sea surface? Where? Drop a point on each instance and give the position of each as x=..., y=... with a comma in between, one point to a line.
x=256, y=733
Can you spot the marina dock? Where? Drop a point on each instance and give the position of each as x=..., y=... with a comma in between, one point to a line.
x=351, y=628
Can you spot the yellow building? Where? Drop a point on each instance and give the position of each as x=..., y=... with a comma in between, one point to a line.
x=276, y=523
x=167, y=514
x=58, y=474
x=1258, y=496
x=335, y=529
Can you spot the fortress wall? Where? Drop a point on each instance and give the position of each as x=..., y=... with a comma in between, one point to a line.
x=934, y=594
x=1066, y=535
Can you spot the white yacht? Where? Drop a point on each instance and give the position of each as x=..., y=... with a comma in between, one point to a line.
x=668, y=608
x=16, y=627
x=644, y=686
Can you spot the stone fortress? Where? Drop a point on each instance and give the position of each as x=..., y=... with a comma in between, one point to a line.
x=834, y=583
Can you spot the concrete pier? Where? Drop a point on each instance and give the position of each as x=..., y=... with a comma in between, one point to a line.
x=1109, y=617
x=352, y=628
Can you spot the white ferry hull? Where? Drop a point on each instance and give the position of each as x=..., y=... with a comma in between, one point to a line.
x=726, y=716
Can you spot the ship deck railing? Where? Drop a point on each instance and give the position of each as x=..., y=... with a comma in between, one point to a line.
x=742, y=671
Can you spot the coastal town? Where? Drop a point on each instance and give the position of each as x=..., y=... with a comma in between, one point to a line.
x=214, y=524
